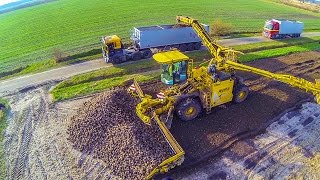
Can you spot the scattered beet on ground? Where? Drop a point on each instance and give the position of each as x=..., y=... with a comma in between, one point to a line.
x=108, y=128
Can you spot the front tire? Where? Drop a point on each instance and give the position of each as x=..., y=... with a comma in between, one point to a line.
x=188, y=109
x=116, y=59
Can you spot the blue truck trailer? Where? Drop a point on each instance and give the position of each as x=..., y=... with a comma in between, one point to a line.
x=282, y=28
x=146, y=39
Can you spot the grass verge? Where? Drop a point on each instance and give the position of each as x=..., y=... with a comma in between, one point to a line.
x=86, y=88
x=275, y=44
x=279, y=52
x=3, y=125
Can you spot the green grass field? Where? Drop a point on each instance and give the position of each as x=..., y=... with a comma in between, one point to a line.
x=29, y=35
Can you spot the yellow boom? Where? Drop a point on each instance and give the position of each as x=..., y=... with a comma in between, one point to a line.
x=225, y=59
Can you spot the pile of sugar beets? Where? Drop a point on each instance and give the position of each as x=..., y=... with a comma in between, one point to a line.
x=108, y=128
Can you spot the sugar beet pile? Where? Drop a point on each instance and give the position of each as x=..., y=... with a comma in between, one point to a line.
x=108, y=128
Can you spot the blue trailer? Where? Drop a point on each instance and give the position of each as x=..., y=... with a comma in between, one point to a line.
x=146, y=39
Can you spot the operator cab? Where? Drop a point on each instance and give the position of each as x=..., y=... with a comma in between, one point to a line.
x=111, y=46
x=112, y=42
x=174, y=65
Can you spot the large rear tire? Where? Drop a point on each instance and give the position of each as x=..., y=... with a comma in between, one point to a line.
x=241, y=93
x=188, y=109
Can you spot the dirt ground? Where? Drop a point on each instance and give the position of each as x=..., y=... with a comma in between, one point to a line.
x=289, y=149
x=36, y=143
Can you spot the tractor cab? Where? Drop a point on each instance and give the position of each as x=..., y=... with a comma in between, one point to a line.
x=111, y=46
x=112, y=42
x=174, y=65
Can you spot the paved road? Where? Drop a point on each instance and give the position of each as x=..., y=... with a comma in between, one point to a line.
x=11, y=85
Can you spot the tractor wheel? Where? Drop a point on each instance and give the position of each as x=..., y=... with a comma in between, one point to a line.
x=188, y=109
x=197, y=46
x=136, y=56
x=116, y=59
x=182, y=47
x=146, y=54
x=190, y=47
x=240, y=94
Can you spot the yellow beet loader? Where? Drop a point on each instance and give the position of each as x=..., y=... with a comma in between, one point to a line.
x=193, y=90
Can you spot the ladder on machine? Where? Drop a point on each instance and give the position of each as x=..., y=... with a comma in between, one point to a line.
x=207, y=100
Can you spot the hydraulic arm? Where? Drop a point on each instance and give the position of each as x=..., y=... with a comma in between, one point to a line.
x=225, y=59
x=308, y=86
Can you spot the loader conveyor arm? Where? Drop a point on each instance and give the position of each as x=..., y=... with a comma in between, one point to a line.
x=218, y=52
x=172, y=161
x=308, y=86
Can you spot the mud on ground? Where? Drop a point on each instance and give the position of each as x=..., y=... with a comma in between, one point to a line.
x=36, y=143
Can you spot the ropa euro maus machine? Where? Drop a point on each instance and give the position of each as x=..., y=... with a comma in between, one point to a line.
x=194, y=90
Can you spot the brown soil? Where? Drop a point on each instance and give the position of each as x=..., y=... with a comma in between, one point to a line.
x=108, y=128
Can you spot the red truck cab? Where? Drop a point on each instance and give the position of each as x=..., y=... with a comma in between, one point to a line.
x=271, y=29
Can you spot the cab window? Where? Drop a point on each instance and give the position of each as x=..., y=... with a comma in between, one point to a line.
x=174, y=73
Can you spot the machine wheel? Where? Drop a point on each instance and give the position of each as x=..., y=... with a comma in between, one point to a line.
x=182, y=47
x=146, y=54
x=136, y=56
x=240, y=94
x=197, y=46
x=116, y=60
x=190, y=47
x=188, y=109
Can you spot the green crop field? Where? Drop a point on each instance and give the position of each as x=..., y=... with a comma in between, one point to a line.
x=29, y=35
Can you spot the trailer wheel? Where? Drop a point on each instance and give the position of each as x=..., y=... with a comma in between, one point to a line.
x=136, y=56
x=146, y=54
x=197, y=46
x=190, y=47
x=182, y=47
x=188, y=109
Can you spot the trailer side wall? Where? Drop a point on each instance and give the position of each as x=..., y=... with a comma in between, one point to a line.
x=164, y=35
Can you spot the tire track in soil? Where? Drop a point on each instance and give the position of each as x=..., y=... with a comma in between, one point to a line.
x=34, y=113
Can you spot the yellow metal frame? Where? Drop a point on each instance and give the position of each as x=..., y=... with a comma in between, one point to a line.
x=141, y=110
